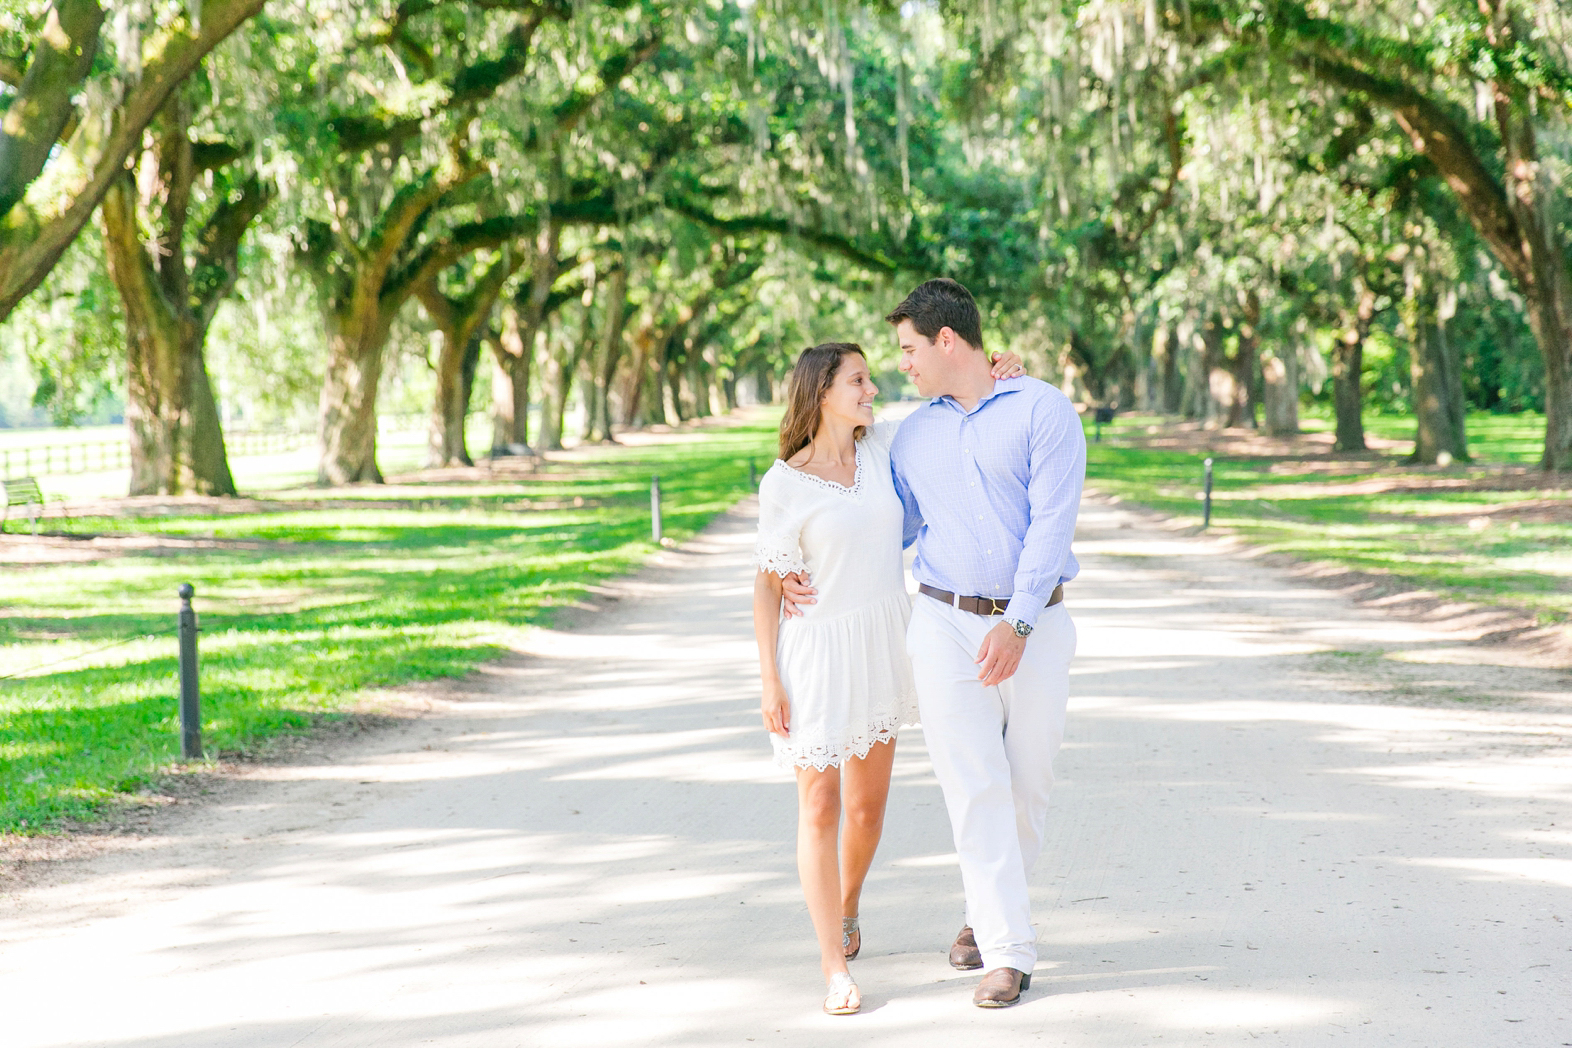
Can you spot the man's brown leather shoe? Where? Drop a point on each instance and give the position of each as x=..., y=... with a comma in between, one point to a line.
x=1001, y=988
x=965, y=955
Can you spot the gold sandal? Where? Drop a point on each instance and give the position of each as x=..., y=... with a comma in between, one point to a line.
x=848, y=929
x=844, y=991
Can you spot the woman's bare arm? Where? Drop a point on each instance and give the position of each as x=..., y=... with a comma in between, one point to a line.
x=775, y=707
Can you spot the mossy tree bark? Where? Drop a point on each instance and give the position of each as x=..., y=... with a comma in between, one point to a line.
x=459, y=319
x=170, y=291
x=44, y=128
x=1246, y=362
x=607, y=356
x=1439, y=407
x=513, y=347
x=1348, y=365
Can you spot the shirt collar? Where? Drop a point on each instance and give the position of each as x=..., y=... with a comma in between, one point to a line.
x=1000, y=387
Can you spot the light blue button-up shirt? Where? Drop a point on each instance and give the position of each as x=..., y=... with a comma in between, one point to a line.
x=991, y=494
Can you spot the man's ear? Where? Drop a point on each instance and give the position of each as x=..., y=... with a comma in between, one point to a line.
x=945, y=339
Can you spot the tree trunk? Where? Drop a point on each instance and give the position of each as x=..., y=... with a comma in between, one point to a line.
x=1280, y=378
x=1241, y=409
x=209, y=458
x=1441, y=436
x=510, y=376
x=1219, y=377
x=450, y=405
x=671, y=393
x=176, y=437
x=556, y=375
x=563, y=357
x=1166, y=396
x=608, y=354
x=467, y=377
x=1348, y=364
x=522, y=322
x=634, y=391
x=347, y=415
x=696, y=385
x=1549, y=303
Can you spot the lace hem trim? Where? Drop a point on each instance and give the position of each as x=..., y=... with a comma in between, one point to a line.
x=781, y=562
x=823, y=755
x=830, y=485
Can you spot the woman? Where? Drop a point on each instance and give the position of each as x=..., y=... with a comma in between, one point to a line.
x=837, y=679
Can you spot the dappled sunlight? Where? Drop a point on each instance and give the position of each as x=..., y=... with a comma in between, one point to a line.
x=1185, y=1009
x=942, y=859
x=1538, y=777
x=591, y=846
x=1544, y=871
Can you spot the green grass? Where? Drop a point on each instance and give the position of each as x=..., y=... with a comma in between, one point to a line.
x=305, y=608
x=1487, y=532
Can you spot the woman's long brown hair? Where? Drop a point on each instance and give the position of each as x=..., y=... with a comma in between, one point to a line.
x=811, y=379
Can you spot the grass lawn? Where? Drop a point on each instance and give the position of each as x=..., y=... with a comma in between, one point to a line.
x=310, y=600
x=1493, y=531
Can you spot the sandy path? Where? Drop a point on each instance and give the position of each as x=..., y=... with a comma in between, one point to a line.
x=1267, y=831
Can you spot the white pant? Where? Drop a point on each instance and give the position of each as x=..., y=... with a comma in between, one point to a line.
x=993, y=751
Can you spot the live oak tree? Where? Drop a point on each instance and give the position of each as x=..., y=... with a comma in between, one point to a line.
x=461, y=313
x=173, y=266
x=76, y=111
x=401, y=176
x=1480, y=89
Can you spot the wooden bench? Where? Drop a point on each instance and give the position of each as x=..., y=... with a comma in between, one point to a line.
x=22, y=492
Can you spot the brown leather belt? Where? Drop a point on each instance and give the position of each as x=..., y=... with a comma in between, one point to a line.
x=981, y=605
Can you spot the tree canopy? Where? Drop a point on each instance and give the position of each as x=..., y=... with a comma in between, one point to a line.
x=643, y=209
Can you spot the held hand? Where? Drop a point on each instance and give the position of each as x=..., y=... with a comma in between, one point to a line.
x=795, y=590
x=776, y=709
x=1006, y=365
x=1000, y=655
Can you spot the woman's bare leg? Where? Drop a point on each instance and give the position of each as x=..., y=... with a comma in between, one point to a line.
x=818, y=823
x=865, y=792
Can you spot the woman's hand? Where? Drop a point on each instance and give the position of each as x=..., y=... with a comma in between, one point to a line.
x=1006, y=365
x=776, y=708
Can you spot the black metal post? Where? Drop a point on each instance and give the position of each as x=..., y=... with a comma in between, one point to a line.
x=753, y=474
x=1206, y=509
x=655, y=530
x=190, y=688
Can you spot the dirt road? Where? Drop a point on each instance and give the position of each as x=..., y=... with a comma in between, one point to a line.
x=1281, y=820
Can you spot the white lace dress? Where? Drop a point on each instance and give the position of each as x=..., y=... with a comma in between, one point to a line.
x=843, y=662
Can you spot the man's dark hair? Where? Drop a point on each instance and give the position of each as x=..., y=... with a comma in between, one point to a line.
x=941, y=303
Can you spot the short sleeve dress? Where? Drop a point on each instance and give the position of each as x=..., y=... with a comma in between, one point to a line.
x=843, y=663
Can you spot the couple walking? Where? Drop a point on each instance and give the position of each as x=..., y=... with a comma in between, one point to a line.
x=986, y=479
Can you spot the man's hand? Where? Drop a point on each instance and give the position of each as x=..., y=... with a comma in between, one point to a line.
x=999, y=655
x=795, y=590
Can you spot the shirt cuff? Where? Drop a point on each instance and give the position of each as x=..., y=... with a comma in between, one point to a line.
x=1025, y=607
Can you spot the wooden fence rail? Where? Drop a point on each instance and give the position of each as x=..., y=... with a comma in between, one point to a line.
x=56, y=460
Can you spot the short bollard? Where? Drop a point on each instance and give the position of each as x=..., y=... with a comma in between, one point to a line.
x=655, y=531
x=1206, y=506
x=190, y=689
x=753, y=474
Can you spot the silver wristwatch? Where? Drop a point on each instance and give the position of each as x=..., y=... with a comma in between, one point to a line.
x=1021, y=629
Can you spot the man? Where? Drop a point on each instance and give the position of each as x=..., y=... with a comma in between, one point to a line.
x=990, y=473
